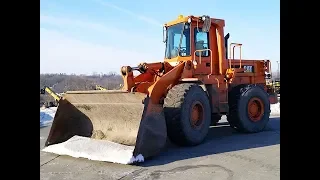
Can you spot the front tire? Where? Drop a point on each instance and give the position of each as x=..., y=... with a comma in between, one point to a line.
x=188, y=114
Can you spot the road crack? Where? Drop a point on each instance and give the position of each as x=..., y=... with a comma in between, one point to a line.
x=260, y=163
x=49, y=161
x=133, y=174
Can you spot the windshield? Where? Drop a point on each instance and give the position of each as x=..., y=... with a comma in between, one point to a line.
x=178, y=41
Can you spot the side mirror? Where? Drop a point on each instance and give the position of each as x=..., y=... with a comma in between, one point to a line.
x=164, y=34
x=226, y=37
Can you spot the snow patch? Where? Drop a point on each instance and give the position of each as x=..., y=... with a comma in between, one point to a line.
x=94, y=149
x=275, y=109
x=46, y=116
x=99, y=150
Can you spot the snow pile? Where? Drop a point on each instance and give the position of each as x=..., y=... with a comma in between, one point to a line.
x=94, y=149
x=46, y=116
x=275, y=109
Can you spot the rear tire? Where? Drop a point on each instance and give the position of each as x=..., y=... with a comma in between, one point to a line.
x=243, y=118
x=188, y=114
x=51, y=104
x=215, y=118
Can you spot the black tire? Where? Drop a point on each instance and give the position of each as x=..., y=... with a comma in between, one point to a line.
x=51, y=104
x=178, y=106
x=239, y=117
x=215, y=118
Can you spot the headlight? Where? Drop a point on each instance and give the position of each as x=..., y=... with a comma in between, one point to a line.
x=194, y=62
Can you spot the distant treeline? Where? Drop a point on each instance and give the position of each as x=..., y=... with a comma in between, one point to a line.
x=276, y=75
x=63, y=82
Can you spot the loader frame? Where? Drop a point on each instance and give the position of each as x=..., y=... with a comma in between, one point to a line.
x=217, y=72
x=175, y=99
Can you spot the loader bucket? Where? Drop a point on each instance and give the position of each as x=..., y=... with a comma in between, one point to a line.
x=103, y=125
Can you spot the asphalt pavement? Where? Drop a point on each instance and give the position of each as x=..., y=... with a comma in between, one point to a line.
x=225, y=155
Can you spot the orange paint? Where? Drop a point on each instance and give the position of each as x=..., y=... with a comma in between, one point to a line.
x=215, y=70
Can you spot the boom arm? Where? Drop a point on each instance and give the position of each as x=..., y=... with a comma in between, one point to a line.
x=51, y=92
x=154, y=79
x=98, y=87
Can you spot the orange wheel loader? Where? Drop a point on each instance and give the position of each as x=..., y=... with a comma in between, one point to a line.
x=176, y=99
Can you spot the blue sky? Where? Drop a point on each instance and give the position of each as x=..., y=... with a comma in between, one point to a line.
x=86, y=36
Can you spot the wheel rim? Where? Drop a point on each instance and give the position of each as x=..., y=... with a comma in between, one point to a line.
x=255, y=109
x=196, y=115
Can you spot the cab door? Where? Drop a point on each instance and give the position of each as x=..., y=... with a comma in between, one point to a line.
x=201, y=53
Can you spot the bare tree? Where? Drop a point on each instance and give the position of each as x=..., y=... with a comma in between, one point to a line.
x=276, y=75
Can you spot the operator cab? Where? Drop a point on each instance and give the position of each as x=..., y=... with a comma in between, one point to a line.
x=190, y=38
x=178, y=41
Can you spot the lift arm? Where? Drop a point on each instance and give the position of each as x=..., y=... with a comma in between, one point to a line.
x=51, y=92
